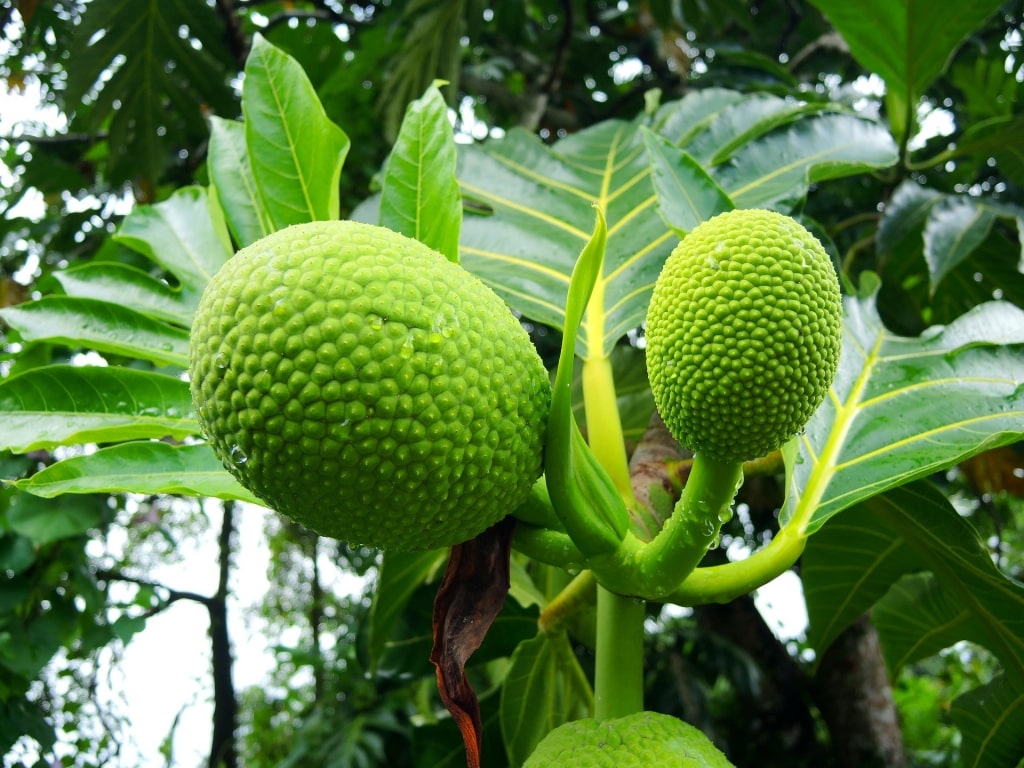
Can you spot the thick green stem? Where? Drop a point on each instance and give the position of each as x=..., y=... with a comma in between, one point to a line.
x=619, y=673
x=705, y=505
x=655, y=570
x=722, y=583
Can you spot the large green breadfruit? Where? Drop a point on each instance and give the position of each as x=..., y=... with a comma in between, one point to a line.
x=363, y=385
x=642, y=740
x=743, y=334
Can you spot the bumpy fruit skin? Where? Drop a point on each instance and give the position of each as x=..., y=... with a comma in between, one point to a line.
x=743, y=334
x=635, y=741
x=363, y=385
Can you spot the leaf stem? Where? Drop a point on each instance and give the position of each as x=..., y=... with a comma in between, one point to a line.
x=618, y=677
x=604, y=425
x=692, y=528
x=576, y=595
x=722, y=583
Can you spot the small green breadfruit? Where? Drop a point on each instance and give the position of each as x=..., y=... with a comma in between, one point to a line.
x=363, y=385
x=743, y=334
x=635, y=741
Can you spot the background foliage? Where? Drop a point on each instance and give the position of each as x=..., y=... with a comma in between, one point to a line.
x=894, y=132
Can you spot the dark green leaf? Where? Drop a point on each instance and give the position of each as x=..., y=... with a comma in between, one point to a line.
x=991, y=721
x=17, y=553
x=47, y=520
x=955, y=227
x=849, y=564
x=400, y=574
x=420, y=196
x=544, y=687
x=125, y=628
x=127, y=49
x=917, y=618
x=908, y=44
x=64, y=405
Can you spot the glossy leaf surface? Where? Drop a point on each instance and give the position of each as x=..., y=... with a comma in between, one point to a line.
x=931, y=582
x=231, y=175
x=908, y=44
x=129, y=287
x=140, y=467
x=295, y=151
x=99, y=325
x=420, y=196
x=184, y=234
x=65, y=405
x=901, y=408
x=536, y=199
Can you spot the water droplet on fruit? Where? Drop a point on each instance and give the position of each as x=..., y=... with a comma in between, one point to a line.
x=407, y=348
x=237, y=456
x=376, y=322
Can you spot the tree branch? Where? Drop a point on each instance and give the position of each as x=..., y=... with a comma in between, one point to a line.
x=173, y=595
x=233, y=34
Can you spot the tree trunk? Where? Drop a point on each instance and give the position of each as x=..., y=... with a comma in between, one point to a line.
x=855, y=698
x=316, y=616
x=223, y=753
x=782, y=717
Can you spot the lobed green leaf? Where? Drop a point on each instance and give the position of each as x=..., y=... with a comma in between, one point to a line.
x=901, y=408
x=535, y=199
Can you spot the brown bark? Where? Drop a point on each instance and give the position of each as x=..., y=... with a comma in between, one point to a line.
x=223, y=752
x=855, y=698
x=316, y=617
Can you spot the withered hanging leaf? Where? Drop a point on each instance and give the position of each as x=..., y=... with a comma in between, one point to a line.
x=468, y=601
